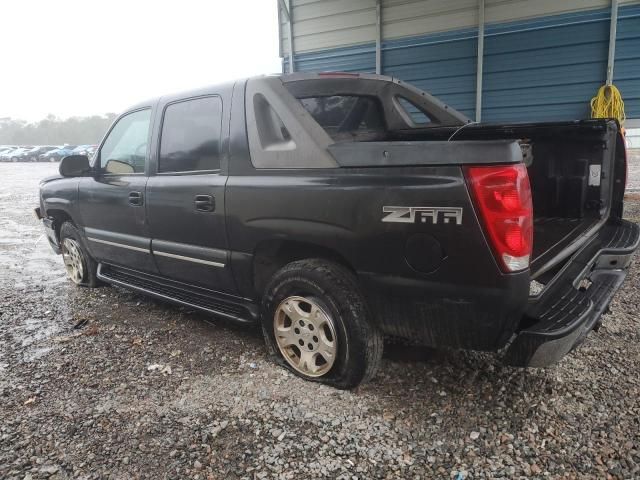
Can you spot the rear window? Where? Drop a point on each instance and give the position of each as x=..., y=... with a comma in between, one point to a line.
x=346, y=115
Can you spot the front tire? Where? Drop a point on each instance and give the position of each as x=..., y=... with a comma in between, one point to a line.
x=316, y=323
x=81, y=267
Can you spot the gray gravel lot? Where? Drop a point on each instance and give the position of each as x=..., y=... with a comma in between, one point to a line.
x=633, y=170
x=149, y=390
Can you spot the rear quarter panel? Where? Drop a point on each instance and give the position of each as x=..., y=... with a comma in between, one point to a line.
x=463, y=300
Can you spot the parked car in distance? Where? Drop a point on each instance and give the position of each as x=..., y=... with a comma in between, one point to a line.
x=81, y=150
x=15, y=154
x=4, y=153
x=91, y=149
x=6, y=148
x=57, y=154
x=316, y=205
x=33, y=154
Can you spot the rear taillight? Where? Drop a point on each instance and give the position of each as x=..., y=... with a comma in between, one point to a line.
x=502, y=196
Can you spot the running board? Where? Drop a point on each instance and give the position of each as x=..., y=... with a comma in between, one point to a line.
x=199, y=298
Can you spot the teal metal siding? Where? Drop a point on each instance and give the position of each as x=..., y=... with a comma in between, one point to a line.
x=361, y=58
x=626, y=74
x=549, y=68
x=443, y=65
x=542, y=69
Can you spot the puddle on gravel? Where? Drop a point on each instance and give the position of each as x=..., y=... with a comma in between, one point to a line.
x=29, y=269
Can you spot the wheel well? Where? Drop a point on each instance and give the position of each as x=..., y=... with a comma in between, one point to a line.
x=60, y=217
x=271, y=256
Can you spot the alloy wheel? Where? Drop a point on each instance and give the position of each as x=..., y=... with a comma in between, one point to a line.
x=73, y=261
x=306, y=336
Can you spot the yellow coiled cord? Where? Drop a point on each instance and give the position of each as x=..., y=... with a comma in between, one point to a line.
x=608, y=104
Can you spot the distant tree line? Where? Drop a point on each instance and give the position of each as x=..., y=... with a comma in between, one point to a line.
x=55, y=131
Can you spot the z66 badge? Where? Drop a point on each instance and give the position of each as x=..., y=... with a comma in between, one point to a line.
x=422, y=214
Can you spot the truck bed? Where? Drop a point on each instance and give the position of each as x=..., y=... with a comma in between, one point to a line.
x=556, y=233
x=570, y=167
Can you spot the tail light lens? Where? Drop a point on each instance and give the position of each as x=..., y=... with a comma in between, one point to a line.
x=502, y=196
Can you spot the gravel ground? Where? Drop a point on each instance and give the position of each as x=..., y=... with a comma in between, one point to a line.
x=633, y=157
x=108, y=384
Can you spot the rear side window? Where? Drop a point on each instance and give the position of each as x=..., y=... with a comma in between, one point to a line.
x=271, y=130
x=345, y=115
x=190, y=139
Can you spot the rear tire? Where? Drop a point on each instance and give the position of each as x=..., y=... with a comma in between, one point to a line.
x=324, y=329
x=81, y=267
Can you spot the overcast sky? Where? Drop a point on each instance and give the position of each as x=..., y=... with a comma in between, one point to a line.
x=84, y=57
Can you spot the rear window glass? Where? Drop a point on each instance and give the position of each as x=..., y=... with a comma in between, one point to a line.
x=190, y=138
x=346, y=115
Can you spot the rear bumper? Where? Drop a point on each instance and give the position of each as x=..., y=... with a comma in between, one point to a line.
x=570, y=306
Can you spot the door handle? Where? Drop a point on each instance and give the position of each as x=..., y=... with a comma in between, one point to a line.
x=205, y=203
x=135, y=199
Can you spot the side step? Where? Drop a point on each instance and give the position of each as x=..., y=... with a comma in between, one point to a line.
x=569, y=307
x=165, y=289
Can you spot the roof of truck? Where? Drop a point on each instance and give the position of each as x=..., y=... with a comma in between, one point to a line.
x=285, y=77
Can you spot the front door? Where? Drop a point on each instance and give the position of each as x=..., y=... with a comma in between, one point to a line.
x=112, y=202
x=185, y=196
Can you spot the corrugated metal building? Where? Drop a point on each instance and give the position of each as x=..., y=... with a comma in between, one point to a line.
x=541, y=60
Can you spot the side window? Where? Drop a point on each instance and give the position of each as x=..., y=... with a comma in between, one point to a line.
x=416, y=114
x=190, y=138
x=125, y=149
x=271, y=130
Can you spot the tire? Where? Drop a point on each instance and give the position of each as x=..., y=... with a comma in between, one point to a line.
x=76, y=257
x=320, y=313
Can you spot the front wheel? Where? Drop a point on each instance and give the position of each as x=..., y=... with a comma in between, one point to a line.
x=81, y=267
x=315, y=321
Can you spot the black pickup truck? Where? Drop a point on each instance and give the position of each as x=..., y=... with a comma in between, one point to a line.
x=337, y=209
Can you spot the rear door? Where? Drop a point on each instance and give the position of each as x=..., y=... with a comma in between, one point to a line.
x=112, y=203
x=186, y=193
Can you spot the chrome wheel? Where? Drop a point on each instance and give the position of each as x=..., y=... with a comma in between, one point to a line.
x=73, y=261
x=305, y=335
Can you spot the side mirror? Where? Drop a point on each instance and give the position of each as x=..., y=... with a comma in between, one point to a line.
x=75, y=166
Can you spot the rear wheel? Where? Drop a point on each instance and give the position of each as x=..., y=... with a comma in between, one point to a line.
x=316, y=323
x=81, y=267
